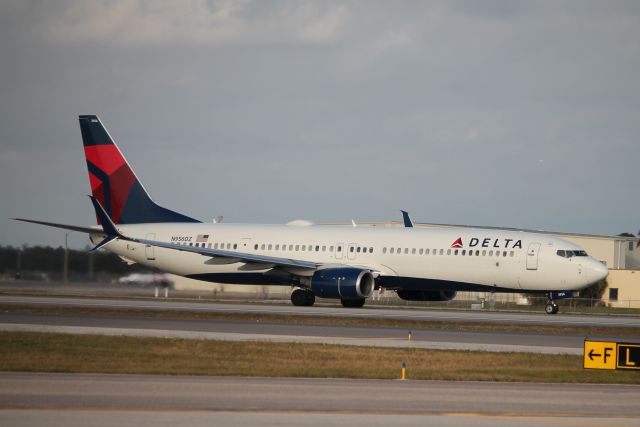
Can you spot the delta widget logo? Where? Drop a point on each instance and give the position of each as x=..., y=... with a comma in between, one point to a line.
x=457, y=243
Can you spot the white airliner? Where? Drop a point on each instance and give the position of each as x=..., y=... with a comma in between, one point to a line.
x=345, y=263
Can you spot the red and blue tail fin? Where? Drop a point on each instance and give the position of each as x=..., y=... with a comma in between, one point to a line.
x=114, y=183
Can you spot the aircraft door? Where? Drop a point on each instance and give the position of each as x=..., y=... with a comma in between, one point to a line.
x=351, y=251
x=148, y=249
x=532, y=256
x=339, y=250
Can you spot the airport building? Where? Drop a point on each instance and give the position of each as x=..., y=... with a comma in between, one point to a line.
x=620, y=254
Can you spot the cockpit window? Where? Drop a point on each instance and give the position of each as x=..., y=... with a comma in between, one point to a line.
x=569, y=254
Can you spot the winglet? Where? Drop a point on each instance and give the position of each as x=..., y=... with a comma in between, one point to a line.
x=407, y=219
x=108, y=226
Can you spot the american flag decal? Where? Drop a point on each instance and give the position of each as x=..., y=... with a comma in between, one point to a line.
x=202, y=238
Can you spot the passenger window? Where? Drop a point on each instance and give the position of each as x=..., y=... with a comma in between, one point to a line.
x=464, y=252
x=330, y=248
x=406, y=251
x=304, y=248
x=235, y=246
x=209, y=245
x=262, y=247
x=351, y=249
x=421, y=251
x=455, y=252
x=477, y=253
x=370, y=250
x=339, y=248
x=277, y=247
x=291, y=247
x=490, y=253
x=297, y=248
x=269, y=247
x=190, y=244
x=310, y=248
x=413, y=251
x=442, y=251
x=358, y=250
x=484, y=253
x=384, y=250
x=560, y=253
x=324, y=248
x=511, y=254
x=255, y=246
x=317, y=248
x=504, y=254
x=392, y=250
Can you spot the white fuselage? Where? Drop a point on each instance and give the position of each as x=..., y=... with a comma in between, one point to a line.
x=486, y=259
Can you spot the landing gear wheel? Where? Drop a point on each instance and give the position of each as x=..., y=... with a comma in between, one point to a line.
x=352, y=303
x=551, y=308
x=311, y=299
x=302, y=298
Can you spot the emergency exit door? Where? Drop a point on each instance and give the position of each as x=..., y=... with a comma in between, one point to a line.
x=532, y=256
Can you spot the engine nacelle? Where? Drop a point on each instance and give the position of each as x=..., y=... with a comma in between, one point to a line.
x=343, y=283
x=410, y=295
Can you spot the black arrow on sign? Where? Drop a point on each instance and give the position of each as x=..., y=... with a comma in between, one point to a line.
x=591, y=354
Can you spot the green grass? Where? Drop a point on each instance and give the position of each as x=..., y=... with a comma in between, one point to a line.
x=52, y=352
x=404, y=324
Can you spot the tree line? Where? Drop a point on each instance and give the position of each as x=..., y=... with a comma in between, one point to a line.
x=48, y=259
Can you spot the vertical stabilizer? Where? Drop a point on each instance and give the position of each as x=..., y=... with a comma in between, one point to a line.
x=113, y=182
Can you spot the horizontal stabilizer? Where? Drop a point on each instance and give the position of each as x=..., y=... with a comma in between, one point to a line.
x=77, y=228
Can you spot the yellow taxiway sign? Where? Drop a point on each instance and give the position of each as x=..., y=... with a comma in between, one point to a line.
x=611, y=355
x=599, y=355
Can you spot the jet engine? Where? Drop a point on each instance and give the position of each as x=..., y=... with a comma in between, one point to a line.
x=345, y=283
x=410, y=295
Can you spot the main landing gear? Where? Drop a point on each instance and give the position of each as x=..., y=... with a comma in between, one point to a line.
x=551, y=307
x=303, y=298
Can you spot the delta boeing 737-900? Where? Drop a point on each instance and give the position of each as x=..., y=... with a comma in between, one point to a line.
x=345, y=263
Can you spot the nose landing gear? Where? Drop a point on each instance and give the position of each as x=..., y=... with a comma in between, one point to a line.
x=551, y=307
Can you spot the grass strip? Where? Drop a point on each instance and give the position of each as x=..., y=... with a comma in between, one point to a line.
x=405, y=324
x=53, y=352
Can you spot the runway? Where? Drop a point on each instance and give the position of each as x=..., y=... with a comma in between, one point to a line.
x=366, y=312
x=98, y=399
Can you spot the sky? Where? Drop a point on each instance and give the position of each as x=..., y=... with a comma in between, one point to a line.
x=501, y=113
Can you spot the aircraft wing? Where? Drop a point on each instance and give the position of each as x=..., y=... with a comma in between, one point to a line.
x=240, y=256
x=112, y=233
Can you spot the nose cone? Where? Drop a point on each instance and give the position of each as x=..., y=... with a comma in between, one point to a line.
x=597, y=271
